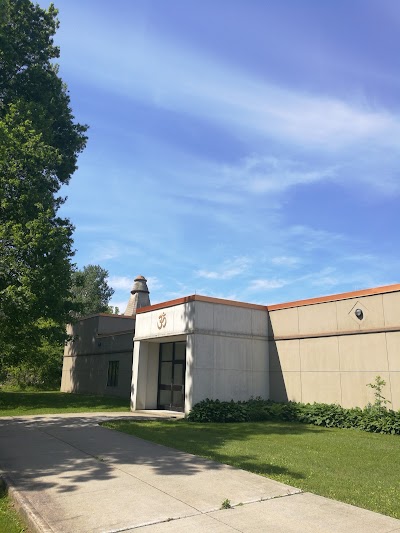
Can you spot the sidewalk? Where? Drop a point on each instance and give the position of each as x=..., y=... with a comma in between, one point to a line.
x=70, y=475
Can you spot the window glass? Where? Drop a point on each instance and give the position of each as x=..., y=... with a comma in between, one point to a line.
x=177, y=398
x=166, y=373
x=180, y=351
x=112, y=376
x=178, y=374
x=167, y=351
x=165, y=397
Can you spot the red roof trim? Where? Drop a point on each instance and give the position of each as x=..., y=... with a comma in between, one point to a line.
x=199, y=298
x=336, y=297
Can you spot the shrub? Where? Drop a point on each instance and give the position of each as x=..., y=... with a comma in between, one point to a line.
x=217, y=411
x=319, y=414
x=380, y=401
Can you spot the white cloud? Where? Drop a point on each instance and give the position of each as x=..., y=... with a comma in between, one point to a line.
x=104, y=251
x=166, y=74
x=285, y=260
x=154, y=283
x=223, y=296
x=228, y=270
x=325, y=281
x=312, y=239
x=266, y=284
x=361, y=257
x=258, y=174
x=121, y=282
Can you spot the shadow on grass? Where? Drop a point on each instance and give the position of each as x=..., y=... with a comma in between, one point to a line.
x=209, y=440
x=251, y=464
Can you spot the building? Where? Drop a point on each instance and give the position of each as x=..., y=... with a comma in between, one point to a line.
x=98, y=356
x=323, y=349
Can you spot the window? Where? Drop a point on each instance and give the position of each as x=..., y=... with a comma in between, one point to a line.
x=112, y=378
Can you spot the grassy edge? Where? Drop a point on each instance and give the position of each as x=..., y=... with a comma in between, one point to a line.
x=25, y=403
x=12, y=520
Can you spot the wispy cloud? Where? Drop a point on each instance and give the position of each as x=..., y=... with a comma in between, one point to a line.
x=153, y=283
x=228, y=270
x=285, y=261
x=104, y=251
x=314, y=238
x=266, y=284
x=228, y=162
x=266, y=174
x=362, y=257
x=168, y=75
x=325, y=281
x=121, y=282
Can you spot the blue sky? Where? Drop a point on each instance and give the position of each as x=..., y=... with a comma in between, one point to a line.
x=241, y=149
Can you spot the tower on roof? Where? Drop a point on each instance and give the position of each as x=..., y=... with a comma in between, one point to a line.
x=139, y=296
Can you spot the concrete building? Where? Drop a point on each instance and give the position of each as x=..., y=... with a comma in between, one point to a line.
x=98, y=356
x=328, y=349
x=198, y=347
x=323, y=349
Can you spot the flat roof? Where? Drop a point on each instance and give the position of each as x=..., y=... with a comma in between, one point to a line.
x=275, y=307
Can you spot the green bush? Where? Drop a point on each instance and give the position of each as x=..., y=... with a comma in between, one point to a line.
x=216, y=411
x=319, y=414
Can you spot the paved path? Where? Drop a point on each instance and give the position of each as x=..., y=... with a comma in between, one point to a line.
x=69, y=475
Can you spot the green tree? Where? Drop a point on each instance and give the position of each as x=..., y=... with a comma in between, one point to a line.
x=90, y=290
x=39, y=146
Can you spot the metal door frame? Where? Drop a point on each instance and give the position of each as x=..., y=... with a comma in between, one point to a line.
x=161, y=386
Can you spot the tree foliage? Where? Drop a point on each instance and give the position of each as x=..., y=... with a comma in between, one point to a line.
x=90, y=291
x=39, y=146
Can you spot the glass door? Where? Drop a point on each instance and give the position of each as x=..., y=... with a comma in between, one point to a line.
x=171, y=376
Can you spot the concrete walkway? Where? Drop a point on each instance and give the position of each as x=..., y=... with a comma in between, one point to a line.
x=69, y=475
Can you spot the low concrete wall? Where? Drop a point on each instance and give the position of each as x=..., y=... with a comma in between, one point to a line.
x=96, y=341
x=321, y=351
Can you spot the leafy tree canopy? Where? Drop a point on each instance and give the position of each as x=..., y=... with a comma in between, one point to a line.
x=39, y=146
x=29, y=80
x=90, y=290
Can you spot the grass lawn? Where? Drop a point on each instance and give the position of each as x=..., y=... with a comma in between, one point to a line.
x=37, y=403
x=10, y=521
x=351, y=466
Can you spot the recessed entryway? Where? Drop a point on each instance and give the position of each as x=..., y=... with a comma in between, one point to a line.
x=171, y=376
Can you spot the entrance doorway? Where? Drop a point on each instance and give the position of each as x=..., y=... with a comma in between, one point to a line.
x=171, y=376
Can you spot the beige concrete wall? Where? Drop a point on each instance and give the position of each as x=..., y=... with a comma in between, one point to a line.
x=309, y=352
x=226, y=351
x=227, y=354
x=144, y=375
x=109, y=324
x=324, y=353
x=87, y=356
x=87, y=374
x=168, y=322
x=227, y=368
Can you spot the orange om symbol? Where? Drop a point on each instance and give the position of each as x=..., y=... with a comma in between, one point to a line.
x=162, y=321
